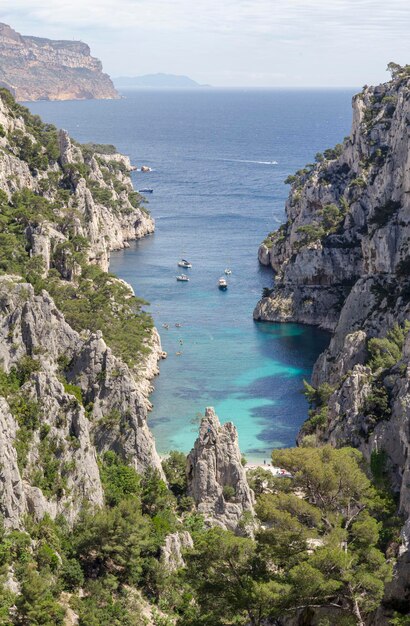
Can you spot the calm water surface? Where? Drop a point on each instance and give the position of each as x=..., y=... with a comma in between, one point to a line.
x=219, y=159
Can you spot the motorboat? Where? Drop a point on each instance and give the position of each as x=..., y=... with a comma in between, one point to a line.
x=222, y=284
x=145, y=191
x=228, y=272
x=184, y=263
x=182, y=278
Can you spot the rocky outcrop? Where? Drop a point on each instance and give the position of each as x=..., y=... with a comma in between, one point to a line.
x=172, y=550
x=104, y=226
x=101, y=204
x=216, y=478
x=110, y=416
x=342, y=262
x=33, y=68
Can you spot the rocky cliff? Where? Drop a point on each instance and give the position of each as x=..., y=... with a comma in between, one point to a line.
x=33, y=68
x=216, y=478
x=342, y=262
x=76, y=350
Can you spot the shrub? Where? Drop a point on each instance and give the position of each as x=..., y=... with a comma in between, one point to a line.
x=174, y=467
x=385, y=352
x=74, y=390
x=382, y=214
x=120, y=480
x=229, y=492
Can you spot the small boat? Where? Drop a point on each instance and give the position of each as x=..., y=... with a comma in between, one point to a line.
x=182, y=278
x=222, y=284
x=228, y=272
x=145, y=191
x=184, y=263
x=145, y=168
x=165, y=326
x=178, y=325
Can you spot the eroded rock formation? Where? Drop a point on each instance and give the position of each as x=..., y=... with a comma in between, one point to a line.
x=216, y=477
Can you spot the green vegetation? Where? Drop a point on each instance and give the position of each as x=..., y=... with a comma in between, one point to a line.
x=44, y=151
x=385, y=352
x=318, y=410
x=324, y=545
x=398, y=71
x=99, y=301
x=327, y=221
x=98, y=148
x=383, y=214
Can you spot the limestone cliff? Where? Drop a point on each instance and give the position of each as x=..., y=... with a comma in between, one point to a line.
x=342, y=262
x=76, y=350
x=33, y=68
x=216, y=477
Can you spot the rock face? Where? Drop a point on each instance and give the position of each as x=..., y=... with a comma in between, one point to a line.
x=171, y=551
x=33, y=68
x=216, y=477
x=342, y=262
x=65, y=397
x=32, y=325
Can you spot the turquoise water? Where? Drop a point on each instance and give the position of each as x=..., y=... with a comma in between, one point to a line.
x=219, y=159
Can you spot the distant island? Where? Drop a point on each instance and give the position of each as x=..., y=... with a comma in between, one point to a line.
x=34, y=68
x=160, y=80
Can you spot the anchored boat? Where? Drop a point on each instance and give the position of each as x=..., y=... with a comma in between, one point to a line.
x=184, y=263
x=222, y=284
x=182, y=278
x=228, y=272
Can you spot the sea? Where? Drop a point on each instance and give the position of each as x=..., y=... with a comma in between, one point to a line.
x=219, y=159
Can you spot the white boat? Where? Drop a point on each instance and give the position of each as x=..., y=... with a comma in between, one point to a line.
x=228, y=272
x=222, y=284
x=182, y=278
x=184, y=263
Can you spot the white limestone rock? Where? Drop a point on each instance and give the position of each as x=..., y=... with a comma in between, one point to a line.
x=213, y=464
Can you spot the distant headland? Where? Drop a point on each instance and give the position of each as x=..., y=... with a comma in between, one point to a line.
x=160, y=80
x=34, y=68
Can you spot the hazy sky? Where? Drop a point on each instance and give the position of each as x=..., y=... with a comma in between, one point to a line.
x=230, y=42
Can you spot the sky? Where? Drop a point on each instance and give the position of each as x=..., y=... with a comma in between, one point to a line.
x=255, y=43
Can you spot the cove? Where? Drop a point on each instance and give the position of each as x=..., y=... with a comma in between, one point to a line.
x=218, y=162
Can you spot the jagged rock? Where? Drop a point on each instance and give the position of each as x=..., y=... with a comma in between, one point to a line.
x=214, y=464
x=117, y=401
x=43, y=240
x=171, y=551
x=12, y=495
x=264, y=255
x=32, y=325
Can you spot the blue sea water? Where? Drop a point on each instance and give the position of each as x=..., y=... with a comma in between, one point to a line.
x=219, y=159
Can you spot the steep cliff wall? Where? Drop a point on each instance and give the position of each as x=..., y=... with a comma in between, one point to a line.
x=76, y=350
x=41, y=69
x=342, y=261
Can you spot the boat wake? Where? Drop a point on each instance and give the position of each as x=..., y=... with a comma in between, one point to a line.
x=249, y=161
